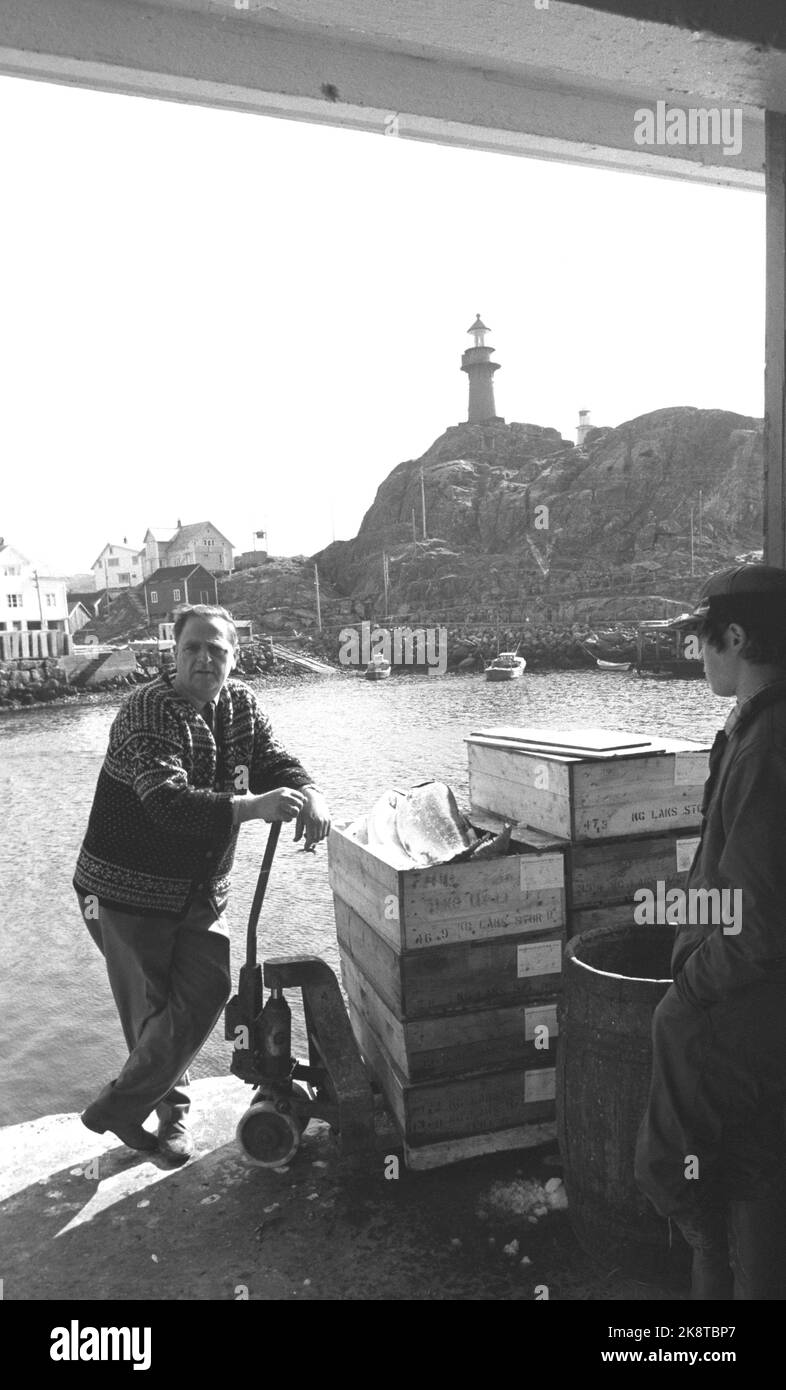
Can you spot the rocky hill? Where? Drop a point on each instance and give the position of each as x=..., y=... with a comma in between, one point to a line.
x=279, y=596
x=521, y=513
x=519, y=520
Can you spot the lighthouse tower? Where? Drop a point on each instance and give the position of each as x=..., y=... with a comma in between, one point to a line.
x=583, y=428
x=480, y=370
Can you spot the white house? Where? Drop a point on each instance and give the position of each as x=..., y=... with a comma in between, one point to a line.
x=118, y=567
x=29, y=599
x=200, y=543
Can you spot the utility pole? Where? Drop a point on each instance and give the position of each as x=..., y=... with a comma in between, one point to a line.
x=40, y=605
x=691, y=540
x=423, y=501
x=700, y=535
x=316, y=586
x=414, y=532
x=385, y=580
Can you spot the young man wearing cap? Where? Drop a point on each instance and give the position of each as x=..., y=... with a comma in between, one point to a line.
x=711, y=1153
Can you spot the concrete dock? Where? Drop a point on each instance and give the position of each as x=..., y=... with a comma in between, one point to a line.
x=85, y=1218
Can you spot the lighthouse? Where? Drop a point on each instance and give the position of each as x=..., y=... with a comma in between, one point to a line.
x=583, y=428
x=480, y=370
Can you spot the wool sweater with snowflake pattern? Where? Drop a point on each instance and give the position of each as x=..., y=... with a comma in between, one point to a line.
x=161, y=824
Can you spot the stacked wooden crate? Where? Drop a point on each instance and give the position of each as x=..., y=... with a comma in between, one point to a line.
x=626, y=808
x=451, y=976
x=453, y=973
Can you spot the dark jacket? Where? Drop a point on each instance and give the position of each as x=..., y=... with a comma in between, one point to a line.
x=742, y=846
x=161, y=823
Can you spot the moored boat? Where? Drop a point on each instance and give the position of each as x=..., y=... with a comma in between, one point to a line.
x=378, y=668
x=665, y=651
x=505, y=667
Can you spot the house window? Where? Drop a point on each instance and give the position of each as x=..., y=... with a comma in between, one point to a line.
x=51, y=600
x=176, y=595
x=12, y=569
x=204, y=597
x=154, y=596
x=14, y=600
x=124, y=578
x=113, y=562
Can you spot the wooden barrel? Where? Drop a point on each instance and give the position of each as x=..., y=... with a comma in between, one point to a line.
x=613, y=979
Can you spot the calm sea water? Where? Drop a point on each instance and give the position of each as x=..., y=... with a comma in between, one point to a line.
x=61, y=1040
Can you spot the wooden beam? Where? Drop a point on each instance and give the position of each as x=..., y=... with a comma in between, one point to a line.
x=213, y=55
x=775, y=343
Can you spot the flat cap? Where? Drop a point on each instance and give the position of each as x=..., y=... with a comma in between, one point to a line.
x=765, y=583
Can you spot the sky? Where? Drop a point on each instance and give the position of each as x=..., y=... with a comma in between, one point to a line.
x=217, y=315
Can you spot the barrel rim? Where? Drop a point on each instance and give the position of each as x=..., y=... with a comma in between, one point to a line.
x=620, y=930
x=634, y=979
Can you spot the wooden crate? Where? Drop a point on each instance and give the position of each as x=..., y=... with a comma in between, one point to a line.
x=453, y=1044
x=452, y=904
x=475, y=1106
x=447, y=979
x=602, y=876
x=585, y=785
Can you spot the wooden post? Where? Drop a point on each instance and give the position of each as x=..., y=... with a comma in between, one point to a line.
x=423, y=501
x=38, y=591
x=316, y=586
x=775, y=342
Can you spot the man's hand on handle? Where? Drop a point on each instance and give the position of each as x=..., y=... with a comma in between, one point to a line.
x=306, y=805
x=284, y=803
x=313, y=819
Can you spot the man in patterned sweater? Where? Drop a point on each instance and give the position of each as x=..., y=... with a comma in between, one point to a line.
x=191, y=756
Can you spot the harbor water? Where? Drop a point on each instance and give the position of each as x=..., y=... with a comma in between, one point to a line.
x=61, y=1039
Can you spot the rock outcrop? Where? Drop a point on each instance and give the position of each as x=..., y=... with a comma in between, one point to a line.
x=519, y=512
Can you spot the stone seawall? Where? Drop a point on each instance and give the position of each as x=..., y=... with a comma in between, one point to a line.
x=39, y=680
x=24, y=682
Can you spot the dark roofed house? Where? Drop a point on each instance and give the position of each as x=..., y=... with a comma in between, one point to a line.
x=172, y=586
x=95, y=601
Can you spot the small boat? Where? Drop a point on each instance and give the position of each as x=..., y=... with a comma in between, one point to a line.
x=505, y=667
x=613, y=665
x=665, y=651
x=378, y=668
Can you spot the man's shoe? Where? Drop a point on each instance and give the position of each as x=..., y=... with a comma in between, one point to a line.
x=134, y=1136
x=175, y=1141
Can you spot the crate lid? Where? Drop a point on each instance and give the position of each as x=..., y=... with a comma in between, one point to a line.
x=577, y=742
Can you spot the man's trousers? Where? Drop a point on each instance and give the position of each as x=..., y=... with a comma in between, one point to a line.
x=170, y=980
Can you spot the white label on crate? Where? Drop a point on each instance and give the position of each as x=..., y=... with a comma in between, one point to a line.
x=685, y=852
x=541, y=871
x=540, y=1085
x=690, y=769
x=538, y=958
x=540, y=1016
